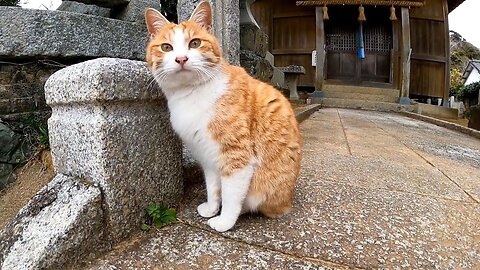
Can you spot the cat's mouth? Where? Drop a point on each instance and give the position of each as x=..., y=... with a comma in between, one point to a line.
x=183, y=70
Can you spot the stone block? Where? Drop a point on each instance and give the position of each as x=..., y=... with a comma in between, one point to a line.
x=68, y=35
x=110, y=124
x=9, y=142
x=61, y=225
x=226, y=24
x=185, y=9
x=256, y=66
x=23, y=104
x=5, y=77
x=6, y=175
x=436, y=111
x=293, y=69
x=105, y=3
x=135, y=11
x=253, y=39
x=278, y=78
x=84, y=9
x=17, y=90
x=5, y=106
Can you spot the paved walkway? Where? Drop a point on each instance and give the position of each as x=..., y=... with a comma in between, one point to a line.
x=377, y=190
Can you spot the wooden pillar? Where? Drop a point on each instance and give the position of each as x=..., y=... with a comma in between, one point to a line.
x=320, y=47
x=446, y=93
x=406, y=55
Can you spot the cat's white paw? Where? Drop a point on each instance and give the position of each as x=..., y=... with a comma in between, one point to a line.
x=207, y=210
x=220, y=224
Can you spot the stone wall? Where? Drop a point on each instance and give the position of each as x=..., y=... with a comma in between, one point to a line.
x=36, y=43
x=226, y=24
x=21, y=86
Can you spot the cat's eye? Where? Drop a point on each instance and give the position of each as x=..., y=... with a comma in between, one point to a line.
x=194, y=43
x=166, y=47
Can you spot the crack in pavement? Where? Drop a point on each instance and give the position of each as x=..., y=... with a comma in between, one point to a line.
x=344, y=133
x=267, y=249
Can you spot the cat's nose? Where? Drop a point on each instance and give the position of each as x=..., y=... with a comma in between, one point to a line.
x=181, y=60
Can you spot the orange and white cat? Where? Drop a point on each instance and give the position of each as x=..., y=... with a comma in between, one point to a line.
x=243, y=132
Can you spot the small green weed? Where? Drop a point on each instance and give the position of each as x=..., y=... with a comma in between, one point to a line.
x=159, y=216
x=36, y=131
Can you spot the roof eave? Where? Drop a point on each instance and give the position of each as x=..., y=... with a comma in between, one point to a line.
x=453, y=4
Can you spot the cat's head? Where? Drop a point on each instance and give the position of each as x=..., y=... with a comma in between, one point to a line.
x=182, y=54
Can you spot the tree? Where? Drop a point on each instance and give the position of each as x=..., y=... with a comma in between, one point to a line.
x=9, y=3
x=461, y=52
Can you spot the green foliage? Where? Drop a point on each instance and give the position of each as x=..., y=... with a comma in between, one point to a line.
x=455, y=81
x=159, y=216
x=9, y=2
x=467, y=92
x=36, y=131
x=461, y=52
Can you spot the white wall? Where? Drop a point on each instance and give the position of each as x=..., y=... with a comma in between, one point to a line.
x=473, y=77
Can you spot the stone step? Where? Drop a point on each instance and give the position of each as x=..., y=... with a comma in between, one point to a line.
x=362, y=90
x=436, y=111
x=361, y=96
x=363, y=105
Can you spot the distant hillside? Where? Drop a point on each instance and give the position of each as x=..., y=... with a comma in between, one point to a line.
x=461, y=51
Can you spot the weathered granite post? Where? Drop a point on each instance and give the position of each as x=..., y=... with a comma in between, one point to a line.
x=226, y=24
x=253, y=45
x=114, y=152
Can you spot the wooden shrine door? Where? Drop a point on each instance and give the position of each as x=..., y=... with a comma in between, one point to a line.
x=342, y=44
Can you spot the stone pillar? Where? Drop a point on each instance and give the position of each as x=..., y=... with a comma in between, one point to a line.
x=253, y=45
x=114, y=153
x=226, y=24
x=110, y=124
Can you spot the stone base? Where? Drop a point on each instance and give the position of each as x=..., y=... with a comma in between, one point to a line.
x=59, y=226
x=404, y=101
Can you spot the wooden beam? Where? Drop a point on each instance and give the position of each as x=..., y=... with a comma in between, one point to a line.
x=396, y=37
x=406, y=54
x=399, y=3
x=446, y=93
x=320, y=47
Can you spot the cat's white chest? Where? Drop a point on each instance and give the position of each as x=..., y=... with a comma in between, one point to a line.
x=191, y=111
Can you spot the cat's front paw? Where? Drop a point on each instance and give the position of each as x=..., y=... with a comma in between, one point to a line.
x=220, y=224
x=207, y=210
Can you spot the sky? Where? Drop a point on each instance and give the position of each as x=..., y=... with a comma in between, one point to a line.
x=462, y=20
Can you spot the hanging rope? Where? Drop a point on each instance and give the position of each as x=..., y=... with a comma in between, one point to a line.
x=400, y=3
x=393, y=16
x=361, y=14
x=325, y=13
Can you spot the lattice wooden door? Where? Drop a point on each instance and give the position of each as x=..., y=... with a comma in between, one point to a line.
x=342, y=43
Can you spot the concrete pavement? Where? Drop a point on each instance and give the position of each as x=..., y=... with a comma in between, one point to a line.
x=377, y=190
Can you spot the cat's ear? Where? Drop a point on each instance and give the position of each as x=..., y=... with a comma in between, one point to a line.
x=202, y=15
x=155, y=21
